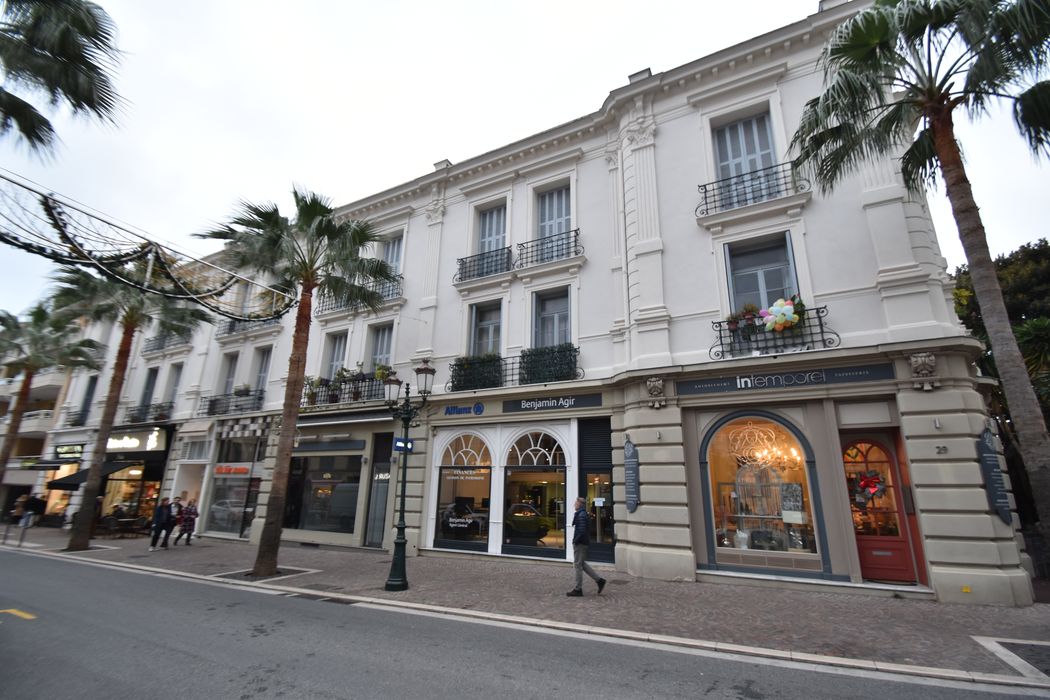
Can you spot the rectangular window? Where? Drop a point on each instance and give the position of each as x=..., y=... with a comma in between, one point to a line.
x=551, y=325
x=334, y=354
x=382, y=338
x=485, y=329
x=229, y=372
x=760, y=272
x=492, y=229
x=392, y=252
x=85, y=405
x=174, y=378
x=149, y=386
x=196, y=450
x=262, y=366
x=744, y=148
x=554, y=212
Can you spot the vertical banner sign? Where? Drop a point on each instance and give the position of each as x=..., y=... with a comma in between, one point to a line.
x=994, y=486
x=631, y=481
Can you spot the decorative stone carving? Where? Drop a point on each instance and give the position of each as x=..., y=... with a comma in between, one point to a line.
x=655, y=387
x=435, y=211
x=923, y=369
x=640, y=133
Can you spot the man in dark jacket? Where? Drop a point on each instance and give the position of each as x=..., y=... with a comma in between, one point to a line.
x=581, y=539
x=163, y=521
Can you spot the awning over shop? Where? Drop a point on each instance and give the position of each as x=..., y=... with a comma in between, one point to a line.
x=51, y=464
x=73, y=481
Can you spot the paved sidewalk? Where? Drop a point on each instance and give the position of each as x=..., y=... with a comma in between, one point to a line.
x=857, y=629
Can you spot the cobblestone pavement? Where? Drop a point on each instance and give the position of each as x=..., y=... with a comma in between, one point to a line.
x=846, y=625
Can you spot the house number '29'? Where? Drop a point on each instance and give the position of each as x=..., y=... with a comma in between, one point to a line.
x=942, y=449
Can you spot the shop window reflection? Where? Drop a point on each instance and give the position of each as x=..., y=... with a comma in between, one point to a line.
x=761, y=494
x=534, y=493
x=323, y=493
x=464, y=485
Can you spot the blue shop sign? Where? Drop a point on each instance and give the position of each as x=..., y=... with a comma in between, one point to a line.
x=476, y=410
x=787, y=380
x=553, y=403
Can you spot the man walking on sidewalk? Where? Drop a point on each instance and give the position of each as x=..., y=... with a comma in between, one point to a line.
x=581, y=540
x=163, y=521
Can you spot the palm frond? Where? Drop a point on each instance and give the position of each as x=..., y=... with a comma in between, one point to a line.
x=1032, y=115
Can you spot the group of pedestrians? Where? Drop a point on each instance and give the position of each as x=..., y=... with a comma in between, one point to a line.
x=28, y=509
x=169, y=515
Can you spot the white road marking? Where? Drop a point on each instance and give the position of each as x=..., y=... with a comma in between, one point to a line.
x=995, y=645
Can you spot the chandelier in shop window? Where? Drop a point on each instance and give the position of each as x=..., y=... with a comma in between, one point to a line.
x=757, y=446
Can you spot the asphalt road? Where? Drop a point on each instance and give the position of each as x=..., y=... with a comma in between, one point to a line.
x=104, y=632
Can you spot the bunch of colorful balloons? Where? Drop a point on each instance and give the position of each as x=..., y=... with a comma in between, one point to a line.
x=780, y=315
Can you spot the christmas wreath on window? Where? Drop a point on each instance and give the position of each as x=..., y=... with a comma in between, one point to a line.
x=868, y=485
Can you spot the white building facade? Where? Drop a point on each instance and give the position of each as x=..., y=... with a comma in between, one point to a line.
x=592, y=298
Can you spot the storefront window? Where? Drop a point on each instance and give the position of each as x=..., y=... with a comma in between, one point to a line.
x=234, y=486
x=128, y=488
x=760, y=494
x=464, y=485
x=534, y=495
x=322, y=493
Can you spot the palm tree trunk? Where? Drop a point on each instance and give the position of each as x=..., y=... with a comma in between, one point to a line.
x=80, y=540
x=1024, y=408
x=270, y=539
x=15, y=424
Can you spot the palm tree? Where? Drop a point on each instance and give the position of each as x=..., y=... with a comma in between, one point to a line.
x=84, y=294
x=44, y=339
x=62, y=49
x=314, y=251
x=896, y=76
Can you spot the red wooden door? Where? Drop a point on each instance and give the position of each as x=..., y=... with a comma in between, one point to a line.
x=879, y=520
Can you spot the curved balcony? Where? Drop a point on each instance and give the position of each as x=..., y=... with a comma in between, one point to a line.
x=749, y=338
x=750, y=188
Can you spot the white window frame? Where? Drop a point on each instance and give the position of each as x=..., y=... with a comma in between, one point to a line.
x=174, y=379
x=551, y=292
x=149, y=386
x=393, y=250
x=718, y=113
x=230, y=360
x=376, y=354
x=473, y=345
x=335, y=345
x=263, y=359
x=795, y=234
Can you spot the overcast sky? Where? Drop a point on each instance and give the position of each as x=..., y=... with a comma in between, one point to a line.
x=238, y=99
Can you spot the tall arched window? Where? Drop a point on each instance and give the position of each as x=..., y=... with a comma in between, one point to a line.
x=760, y=492
x=464, y=484
x=534, y=496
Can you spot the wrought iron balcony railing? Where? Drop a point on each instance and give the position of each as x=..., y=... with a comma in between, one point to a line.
x=493, y=262
x=557, y=246
x=557, y=363
x=756, y=186
x=225, y=404
x=387, y=290
x=366, y=388
x=231, y=326
x=75, y=419
x=163, y=342
x=149, y=413
x=749, y=338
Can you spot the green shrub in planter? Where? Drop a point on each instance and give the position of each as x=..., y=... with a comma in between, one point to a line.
x=477, y=372
x=556, y=363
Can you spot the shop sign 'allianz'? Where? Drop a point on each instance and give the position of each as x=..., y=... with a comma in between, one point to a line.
x=787, y=380
x=475, y=410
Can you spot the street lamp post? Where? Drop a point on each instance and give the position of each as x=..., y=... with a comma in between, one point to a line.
x=405, y=411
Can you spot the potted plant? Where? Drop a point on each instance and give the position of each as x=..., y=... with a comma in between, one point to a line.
x=381, y=372
x=547, y=364
x=310, y=386
x=242, y=390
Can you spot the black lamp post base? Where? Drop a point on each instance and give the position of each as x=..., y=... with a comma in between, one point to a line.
x=398, y=578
